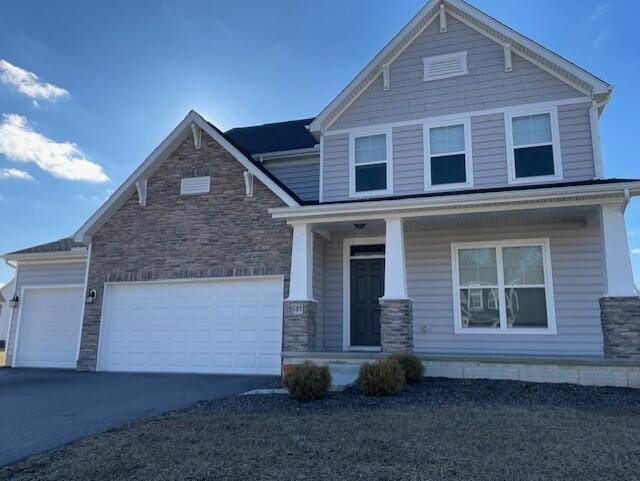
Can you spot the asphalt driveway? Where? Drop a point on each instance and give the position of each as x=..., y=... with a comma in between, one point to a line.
x=41, y=409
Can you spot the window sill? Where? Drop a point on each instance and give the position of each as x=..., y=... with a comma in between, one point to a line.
x=536, y=180
x=370, y=193
x=506, y=332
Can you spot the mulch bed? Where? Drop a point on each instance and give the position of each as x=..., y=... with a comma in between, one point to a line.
x=438, y=430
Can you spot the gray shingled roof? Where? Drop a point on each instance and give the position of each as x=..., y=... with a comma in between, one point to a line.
x=61, y=245
x=276, y=137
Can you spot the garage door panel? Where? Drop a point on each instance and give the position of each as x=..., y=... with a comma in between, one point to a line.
x=49, y=327
x=225, y=326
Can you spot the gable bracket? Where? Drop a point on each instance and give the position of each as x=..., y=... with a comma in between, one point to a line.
x=443, y=18
x=385, y=77
x=197, y=136
x=141, y=187
x=508, y=61
x=248, y=183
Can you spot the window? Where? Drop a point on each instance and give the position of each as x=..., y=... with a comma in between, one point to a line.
x=533, y=153
x=445, y=66
x=447, y=153
x=503, y=287
x=370, y=159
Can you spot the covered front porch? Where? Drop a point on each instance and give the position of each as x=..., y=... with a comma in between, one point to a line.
x=525, y=280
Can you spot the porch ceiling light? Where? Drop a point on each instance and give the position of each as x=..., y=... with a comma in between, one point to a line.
x=359, y=226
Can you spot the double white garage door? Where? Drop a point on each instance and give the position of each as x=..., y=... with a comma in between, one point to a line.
x=222, y=326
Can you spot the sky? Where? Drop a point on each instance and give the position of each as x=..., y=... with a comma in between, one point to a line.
x=89, y=89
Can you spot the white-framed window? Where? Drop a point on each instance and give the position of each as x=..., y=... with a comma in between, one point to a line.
x=533, y=145
x=448, y=158
x=503, y=287
x=445, y=66
x=370, y=163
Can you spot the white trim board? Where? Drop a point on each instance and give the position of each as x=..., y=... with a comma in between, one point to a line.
x=346, y=288
x=160, y=153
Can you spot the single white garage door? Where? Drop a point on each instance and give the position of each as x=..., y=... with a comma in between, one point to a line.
x=49, y=327
x=219, y=326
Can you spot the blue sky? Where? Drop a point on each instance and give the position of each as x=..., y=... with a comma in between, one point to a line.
x=115, y=77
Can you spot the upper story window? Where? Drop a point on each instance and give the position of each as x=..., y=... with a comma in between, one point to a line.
x=533, y=146
x=503, y=287
x=370, y=162
x=448, y=154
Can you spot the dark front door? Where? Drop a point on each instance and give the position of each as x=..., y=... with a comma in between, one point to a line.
x=367, y=286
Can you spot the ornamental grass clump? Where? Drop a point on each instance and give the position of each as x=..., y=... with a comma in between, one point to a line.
x=411, y=365
x=381, y=378
x=308, y=382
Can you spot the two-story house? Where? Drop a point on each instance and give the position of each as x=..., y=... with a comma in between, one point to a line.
x=450, y=201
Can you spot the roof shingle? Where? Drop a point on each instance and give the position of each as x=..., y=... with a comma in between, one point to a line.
x=276, y=137
x=61, y=245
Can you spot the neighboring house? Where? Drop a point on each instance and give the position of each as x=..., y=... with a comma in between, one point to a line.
x=451, y=201
x=6, y=293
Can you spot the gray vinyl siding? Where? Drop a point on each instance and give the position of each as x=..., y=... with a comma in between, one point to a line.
x=333, y=295
x=302, y=176
x=318, y=288
x=577, y=266
x=335, y=167
x=576, y=143
x=486, y=86
x=43, y=275
x=489, y=149
x=408, y=159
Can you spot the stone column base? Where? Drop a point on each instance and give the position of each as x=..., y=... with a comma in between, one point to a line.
x=396, y=325
x=299, y=326
x=621, y=327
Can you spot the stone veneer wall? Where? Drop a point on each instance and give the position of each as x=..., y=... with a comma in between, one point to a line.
x=299, y=329
x=220, y=234
x=621, y=327
x=396, y=325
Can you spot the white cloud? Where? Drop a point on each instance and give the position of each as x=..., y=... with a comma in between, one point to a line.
x=636, y=251
x=28, y=83
x=598, y=11
x=20, y=143
x=600, y=38
x=14, y=174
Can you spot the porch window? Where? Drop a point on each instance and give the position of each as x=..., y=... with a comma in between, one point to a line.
x=534, y=153
x=370, y=157
x=503, y=287
x=448, y=159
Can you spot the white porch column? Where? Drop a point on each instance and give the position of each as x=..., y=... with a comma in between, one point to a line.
x=301, y=283
x=620, y=281
x=395, y=272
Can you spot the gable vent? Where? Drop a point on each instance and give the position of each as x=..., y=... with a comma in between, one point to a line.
x=195, y=185
x=445, y=66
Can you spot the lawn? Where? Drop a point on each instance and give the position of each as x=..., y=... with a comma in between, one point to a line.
x=438, y=430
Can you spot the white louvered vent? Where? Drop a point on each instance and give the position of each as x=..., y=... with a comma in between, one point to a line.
x=195, y=185
x=445, y=66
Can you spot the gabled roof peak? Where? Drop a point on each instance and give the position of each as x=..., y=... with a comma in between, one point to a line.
x=544, y=58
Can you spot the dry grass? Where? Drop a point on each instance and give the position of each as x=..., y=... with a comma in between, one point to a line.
x=423, y=437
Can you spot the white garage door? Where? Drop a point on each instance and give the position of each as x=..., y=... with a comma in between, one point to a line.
x=221, y=326
x=49, y=327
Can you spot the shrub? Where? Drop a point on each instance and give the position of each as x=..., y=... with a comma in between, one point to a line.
x=411, y=365
x=308, y=381
x=381, y=378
